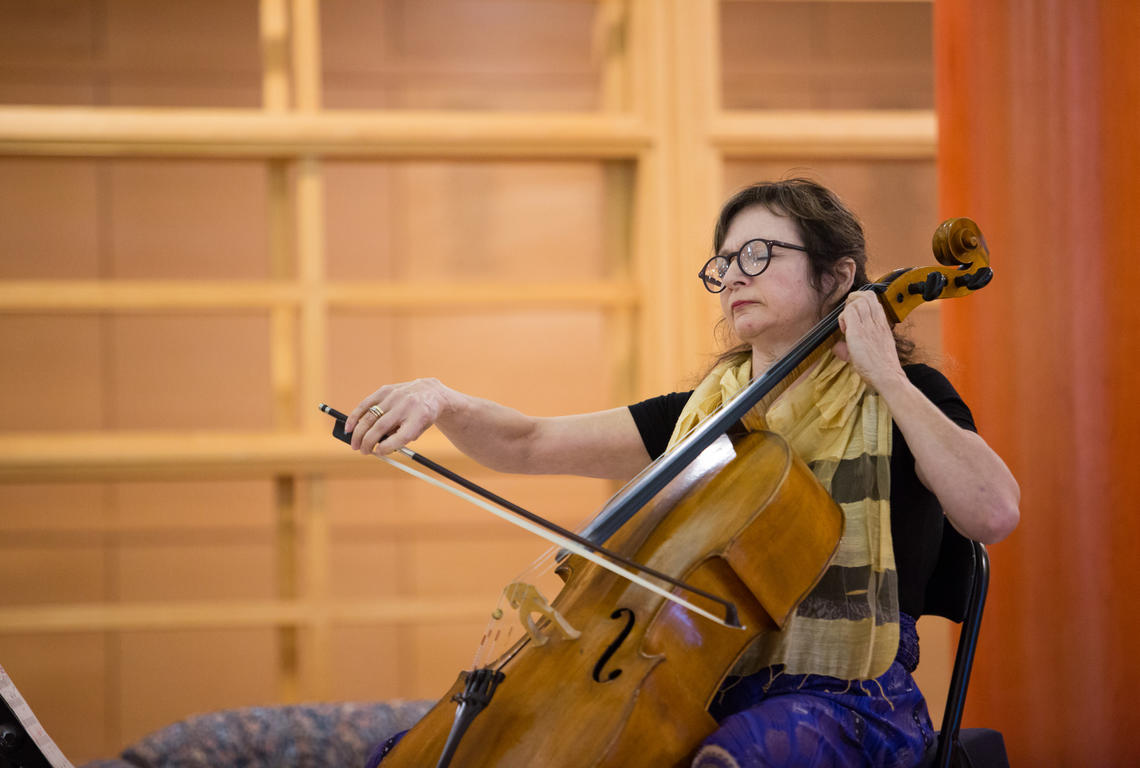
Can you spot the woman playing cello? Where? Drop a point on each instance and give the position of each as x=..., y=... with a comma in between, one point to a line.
x=892, y=442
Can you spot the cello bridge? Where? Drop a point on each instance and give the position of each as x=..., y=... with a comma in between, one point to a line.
x=529, y=601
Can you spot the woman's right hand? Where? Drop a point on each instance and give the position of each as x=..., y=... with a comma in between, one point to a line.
x=407, y=409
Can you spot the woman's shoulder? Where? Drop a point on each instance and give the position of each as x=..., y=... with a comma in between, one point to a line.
x=655, y=419
x=921, y=374
x=663, y=409
x=933, y=383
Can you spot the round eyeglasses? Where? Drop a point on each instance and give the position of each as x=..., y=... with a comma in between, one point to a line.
x=753, y=258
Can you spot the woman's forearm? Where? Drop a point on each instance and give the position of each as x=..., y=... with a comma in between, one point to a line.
x=602, y=444
x=976, y=490
x=492, y=434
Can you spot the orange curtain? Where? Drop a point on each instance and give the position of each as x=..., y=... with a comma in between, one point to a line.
x=1039, y=106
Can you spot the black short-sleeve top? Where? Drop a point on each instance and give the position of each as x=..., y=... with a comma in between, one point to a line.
x=916, y=517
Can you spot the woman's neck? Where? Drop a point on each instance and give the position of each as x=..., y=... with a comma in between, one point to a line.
x=764, y=356
x=768, y=350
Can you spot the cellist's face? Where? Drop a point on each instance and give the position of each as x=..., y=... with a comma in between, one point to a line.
x=772, y=310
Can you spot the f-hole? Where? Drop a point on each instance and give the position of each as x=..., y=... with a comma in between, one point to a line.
x=599, y=668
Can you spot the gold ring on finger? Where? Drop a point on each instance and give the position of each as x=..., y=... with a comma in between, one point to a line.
x=377, y=410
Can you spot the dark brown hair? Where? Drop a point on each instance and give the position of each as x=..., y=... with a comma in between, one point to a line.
x=829, y=229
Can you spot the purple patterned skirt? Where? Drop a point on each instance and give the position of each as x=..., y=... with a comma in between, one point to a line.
x=770, y=719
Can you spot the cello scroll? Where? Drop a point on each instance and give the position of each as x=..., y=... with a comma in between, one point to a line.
x=959, y=246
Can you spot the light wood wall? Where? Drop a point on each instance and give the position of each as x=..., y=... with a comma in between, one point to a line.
x=215, y=215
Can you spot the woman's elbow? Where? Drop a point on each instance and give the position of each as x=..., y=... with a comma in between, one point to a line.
x=1002, y=516
x=988, y=515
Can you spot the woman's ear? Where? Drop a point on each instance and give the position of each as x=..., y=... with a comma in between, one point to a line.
x=841, y=278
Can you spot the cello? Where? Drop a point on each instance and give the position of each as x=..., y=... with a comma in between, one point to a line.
x=613, y=674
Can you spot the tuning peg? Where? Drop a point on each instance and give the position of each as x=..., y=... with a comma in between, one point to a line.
x=976, y=280
x=931, y=288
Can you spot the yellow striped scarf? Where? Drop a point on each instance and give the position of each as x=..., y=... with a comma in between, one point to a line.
x=847, y=627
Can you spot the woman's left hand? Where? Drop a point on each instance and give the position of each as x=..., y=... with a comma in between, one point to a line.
x=868, y=342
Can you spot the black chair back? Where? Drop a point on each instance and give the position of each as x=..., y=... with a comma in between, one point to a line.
x=957, y=591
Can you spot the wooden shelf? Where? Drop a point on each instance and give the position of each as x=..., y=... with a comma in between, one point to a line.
x=89, y=456
x=155, y=295
x=412, y=296
x=900, y=134
x=103, y=617
x=106, y=131
x=254, y=133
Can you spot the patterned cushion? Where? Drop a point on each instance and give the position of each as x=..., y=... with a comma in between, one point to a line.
x=304, y=736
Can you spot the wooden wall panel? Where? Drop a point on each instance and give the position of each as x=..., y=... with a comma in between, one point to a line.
x=826, y=55
x=53, y=568
x=181, y=54
x=131, y=52
x=543, y=363
x=38, y=508
x=191, y=506
x=48, y=31
x=371, y=664
x=364, y=211
x=459, y=54
x=478, y=352
x=215, y=38
x=363, y=350
x=470, y=561
x=94, y=543
x=181, y=371
x=54, y=368
x=186, y=219
x=376, y=501
x=200, y=566
x=458, y=222
x=70, y=679
x=47, y=52
x=49, y=218
x=141, y=219
x=541, y=222
x=164, y=676
x=370, y=560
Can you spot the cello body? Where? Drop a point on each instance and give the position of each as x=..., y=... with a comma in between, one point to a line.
x=632, y=689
